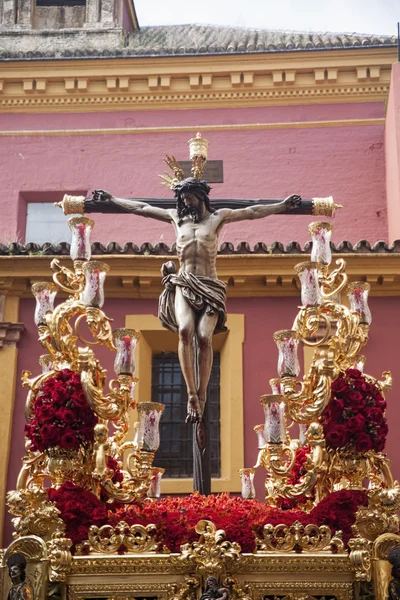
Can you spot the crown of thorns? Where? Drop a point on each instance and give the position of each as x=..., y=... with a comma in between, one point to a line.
x=191, y=184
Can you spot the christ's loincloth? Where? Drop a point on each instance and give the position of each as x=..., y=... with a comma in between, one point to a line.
x=203, y=294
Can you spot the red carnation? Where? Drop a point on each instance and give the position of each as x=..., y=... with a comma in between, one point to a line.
x=79, y=400
x=336, y=407
x=61, y=414
x=356, y=424
x=339, y=386
x=69, y=440
x=356, y=398
x=380, y=401
x=354, y=373
x=337, y=436
x=355, y=414
x=363, y=442
x=49, y=435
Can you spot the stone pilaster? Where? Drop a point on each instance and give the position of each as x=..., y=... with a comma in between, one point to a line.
x=108, y=13
x=92, y=13
x=8, y=13
x=24, y=14
x=10, y=331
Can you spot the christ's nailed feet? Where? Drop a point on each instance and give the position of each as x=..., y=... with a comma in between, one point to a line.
x=193, y=410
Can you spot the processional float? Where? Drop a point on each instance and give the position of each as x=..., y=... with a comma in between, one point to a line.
x=88, y=517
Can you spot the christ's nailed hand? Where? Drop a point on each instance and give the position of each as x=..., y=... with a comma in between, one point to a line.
x=292, y=202
x=101, y=196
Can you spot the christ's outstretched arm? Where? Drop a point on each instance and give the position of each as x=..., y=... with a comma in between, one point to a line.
x=259, y=211
x=135, y=206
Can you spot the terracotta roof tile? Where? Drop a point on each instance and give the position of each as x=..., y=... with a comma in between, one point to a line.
x=178, y=40
x=113, y=248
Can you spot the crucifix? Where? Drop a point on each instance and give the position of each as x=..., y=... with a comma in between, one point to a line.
x=193, y=301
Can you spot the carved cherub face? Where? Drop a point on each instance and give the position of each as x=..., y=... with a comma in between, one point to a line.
x=101, y=433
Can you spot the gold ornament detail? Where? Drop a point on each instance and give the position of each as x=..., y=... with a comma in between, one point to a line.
x=325, y=207
x=135, y=538
x=299, y=538
x=35, y=515
x=185, y=590
x=72, y=205
x=60, y=557
x=212, y=553
x=198, y=147
x=360, y=558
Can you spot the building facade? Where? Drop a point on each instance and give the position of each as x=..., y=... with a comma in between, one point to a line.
x=89, y=100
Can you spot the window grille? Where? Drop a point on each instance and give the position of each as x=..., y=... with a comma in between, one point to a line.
x=175, y=454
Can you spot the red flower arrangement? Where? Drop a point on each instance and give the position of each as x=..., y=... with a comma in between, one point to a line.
x=79, y=510
x=114, y=465
x=242, y=520
x=355, y=416
x=175, y=518
x=61, y=414
x=298, y=471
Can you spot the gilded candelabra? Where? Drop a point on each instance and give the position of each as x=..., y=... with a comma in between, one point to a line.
x=337, y=332
x=95, y=461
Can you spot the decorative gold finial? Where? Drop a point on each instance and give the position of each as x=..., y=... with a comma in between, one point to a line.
x=325, y=207
x=198, y=148
x=72, y=205
x=198, y=151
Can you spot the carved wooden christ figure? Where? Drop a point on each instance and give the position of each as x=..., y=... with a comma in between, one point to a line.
x=193, y=301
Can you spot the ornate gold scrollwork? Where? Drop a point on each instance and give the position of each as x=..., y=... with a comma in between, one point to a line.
x=111, y=406
x=185, y=590
x=60, y=557
x=69, y=281
x=299, y=538
x=315, y=392
x=360, y=558
x=33, y=384
x=212, y=553
x=135, y=538
x=35, y=515
x=333, y=284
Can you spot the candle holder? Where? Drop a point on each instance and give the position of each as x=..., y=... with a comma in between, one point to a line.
x=81, y=228
x=95, y=275
x=125, y=341
x=321, y=242
x=309, y=274
x=303, y=471
x=287, y=342
x=45, y=294
x=155, y=482
x=247, y=477
x=259, y=429
x=275, y=418
x=358, y=296
x=149, y=420
x=276, y=385
x=303, y=427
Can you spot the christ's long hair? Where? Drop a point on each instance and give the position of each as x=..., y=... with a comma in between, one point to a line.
x=199, y=187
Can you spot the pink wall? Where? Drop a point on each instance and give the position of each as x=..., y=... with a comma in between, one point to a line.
x=392, y=152
x=262, y=317
x=346, y=162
